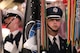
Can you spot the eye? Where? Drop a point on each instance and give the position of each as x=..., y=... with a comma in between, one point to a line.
x=5, y=23
x=51, y=19
x=48, y=3
x=57, y=19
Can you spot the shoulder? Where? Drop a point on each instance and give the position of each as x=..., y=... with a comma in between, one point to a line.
x=62, y=40
x=6, y=38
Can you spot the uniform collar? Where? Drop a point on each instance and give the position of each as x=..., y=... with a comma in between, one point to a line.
x=57, y=39
x=14, y=33
x=51, y=37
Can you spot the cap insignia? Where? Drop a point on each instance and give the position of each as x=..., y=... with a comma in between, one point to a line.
x=55, y=10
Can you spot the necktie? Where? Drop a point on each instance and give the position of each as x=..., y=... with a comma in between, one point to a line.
x=11, y=38
x=55, y=46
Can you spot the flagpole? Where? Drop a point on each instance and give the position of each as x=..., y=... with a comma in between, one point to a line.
x=42, y=23
x=43, y=28
x=68, y=22
x=1, y=39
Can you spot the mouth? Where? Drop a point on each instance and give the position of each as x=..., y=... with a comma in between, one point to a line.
x=55, y=27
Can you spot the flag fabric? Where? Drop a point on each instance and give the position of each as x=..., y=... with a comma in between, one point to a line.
x=31, y=41
x=65, y=2
x=73, y=16
x=32, y=25
x=73, y=20
x=71, y=26
x=77, y=24
x=68, y=24
x=70, y=20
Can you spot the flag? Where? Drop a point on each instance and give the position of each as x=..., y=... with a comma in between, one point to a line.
x=31, y=42
x=32, y=26
x=65, y=2
x=73, y=16
x=77, y=24
x=68, y=24
x=71, y=26
x=73, y=19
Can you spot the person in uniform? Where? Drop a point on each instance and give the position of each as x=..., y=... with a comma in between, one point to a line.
x=13, y=42
x=54, y=19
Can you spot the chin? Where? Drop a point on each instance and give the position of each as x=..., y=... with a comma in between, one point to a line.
x=55, y=30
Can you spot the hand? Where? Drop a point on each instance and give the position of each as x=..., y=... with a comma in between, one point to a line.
x=8, y=46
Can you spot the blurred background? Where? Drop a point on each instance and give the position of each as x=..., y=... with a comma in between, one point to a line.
x=63, y=4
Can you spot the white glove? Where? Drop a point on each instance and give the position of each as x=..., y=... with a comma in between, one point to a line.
x=8, y=46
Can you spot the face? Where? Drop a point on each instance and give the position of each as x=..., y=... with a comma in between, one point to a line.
x=54, y=24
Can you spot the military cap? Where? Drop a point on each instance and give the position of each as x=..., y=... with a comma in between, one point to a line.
x=15, y=13
x=54, y=12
